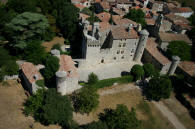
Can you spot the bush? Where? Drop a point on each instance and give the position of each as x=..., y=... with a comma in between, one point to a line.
x=137, y=71
x=159, y=87
x=86, y=100
x=93, y=78
x=40, y=83
x=57, y=46
x=149, y=70
x=95, y=125
x=179, y=48
x=11, y=68
x=120, y=118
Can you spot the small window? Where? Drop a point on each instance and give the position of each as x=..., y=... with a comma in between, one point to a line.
x=119, y=45
x=122, y=57
x=124, y=44
x=114, y=58
x=122, y=52
x=118, y=51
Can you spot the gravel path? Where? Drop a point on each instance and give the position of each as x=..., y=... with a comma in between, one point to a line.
x=167, y=113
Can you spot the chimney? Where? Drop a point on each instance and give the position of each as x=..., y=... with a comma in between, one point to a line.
x=130, y=28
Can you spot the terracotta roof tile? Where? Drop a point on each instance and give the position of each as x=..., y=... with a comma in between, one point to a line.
x=121, y=32
x=168, y=37
x=150, y=21
x=67, y=65
x=188, y=67
x=125, y=21
x=151, y=47
x=80, y=6
x=30, y=71
x=181, y=10
x=104, y=26
x=105, y=5
x=119, y=11
x=104, y=16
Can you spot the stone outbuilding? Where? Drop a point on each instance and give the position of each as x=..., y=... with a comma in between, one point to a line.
x=30, y=74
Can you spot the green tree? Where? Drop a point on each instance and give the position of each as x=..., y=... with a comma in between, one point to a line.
x=92, y=79
x=149, y=70
x=137, y=16
x=57, y=109
x=67, y=22
x=35, y=52
x=26, y=27
x=179, y=48
x=137, y=71
x=34, y=104
x=10, y=68
x=21, y=6
x=51, y=67
x=86, y=11
x=159, y=87
x=95, y=125
x=120, y=118
x=86, y=100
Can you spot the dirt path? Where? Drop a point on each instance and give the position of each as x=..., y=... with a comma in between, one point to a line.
x=167, y=113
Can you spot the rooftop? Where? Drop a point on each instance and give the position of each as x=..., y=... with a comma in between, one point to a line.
x=105, y=5
x=68, y=65
x=124, y=22
x=104, y=26
x=104, y=16
x=188, y=67
x=121, y=32
x=151, y=47
x=168, y=37
x=79, y=6
x=181, y=10
x=30, y=71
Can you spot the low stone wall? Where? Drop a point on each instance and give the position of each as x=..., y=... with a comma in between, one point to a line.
x=7, y=77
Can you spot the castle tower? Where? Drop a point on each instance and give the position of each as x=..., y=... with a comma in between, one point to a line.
x=61, y=82
x=174, y=64
x=95, y=28
x=55, y=52
x=86, y=24
x=141, y=45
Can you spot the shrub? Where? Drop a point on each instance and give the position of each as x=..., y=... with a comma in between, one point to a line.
x=86, y=100
x=11, y=68
x=95, y=125
x=40, y=83
x=137, y=71
x=120, y=118
x=57, y=46
x=149, y=70
x=159, y=87
x=93, y=78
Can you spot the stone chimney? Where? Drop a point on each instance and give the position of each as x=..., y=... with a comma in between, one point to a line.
x=130, y=28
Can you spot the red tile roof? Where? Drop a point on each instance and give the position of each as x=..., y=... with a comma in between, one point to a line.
x=30, y=71
x=151, y=47
x=125, y=21
x=181, y=10
x=188, y=67
x=119, y=11
x=121, y=32
x=150, y=21
x=104, y=16
x=105, y=5
x=67, y=65
x=104, y=26
x=80, y=6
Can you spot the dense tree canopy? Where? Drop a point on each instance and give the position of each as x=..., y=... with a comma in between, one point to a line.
x=86, y=100
x=57, y=109
x=149, y=70
x=159, y=87
x=95, y=125
x=137, y=71
x=26, y=27
x=179, y=48
x=120, y=118
x=136, y=15
x=35, y=52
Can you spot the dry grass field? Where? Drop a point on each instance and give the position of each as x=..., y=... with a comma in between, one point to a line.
x=180, y=111
x=12, y=97
x=56, y=40
x=151, y=117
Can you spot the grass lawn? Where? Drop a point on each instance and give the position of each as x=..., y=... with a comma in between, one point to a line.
x=180, y=111
x=151, y=117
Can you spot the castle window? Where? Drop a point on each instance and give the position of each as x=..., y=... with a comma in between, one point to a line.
x=124, y=44
x=118, y=51
x=122, y=52
x=114, y=58
x=122, y=57
x=119, y=45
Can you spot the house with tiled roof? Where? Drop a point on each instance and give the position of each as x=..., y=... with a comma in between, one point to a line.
x=104, y=16
x=154, y=56
x=67, y=75
x=182, y=11
x=30, y=74
x=165, y=38
x=101, y=6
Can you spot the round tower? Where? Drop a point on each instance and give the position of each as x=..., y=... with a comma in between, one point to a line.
x=174, y=64
x=55, y=52
x=141, y=45
x=61, y=82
